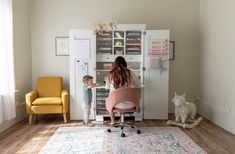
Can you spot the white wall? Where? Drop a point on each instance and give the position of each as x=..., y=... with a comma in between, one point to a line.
x=216, y=59
x=22, y=48
x=51, y=18
x=22, y=56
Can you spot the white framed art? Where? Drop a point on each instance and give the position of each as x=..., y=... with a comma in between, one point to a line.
x=62, y=46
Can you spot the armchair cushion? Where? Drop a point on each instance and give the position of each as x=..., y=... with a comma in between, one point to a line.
x=47, y=101
x=49, y=86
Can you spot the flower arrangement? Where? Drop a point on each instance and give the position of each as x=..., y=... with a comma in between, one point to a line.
x=99, y=27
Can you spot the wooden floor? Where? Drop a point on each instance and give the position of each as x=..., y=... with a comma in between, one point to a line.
x=24, y=138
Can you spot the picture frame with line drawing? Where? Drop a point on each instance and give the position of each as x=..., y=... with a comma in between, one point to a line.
x=62, y=46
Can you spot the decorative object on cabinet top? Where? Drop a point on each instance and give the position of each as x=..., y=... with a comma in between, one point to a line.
x=99, y=26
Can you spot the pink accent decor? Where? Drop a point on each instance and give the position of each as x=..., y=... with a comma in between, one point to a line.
x=123, y=95
x=157, y=51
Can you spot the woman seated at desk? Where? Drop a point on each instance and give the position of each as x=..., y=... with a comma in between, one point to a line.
x=120, y=76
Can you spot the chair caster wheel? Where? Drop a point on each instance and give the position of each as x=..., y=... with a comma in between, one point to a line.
x=138, y=131
x=132, y=127
x=123, y=135
x=109, y=130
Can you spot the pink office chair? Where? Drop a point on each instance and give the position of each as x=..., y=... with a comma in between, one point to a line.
x=123, y=100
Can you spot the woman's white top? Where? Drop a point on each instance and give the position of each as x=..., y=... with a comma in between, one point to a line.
x=135, y=83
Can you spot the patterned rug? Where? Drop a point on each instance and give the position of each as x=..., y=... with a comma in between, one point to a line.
x=153, y=140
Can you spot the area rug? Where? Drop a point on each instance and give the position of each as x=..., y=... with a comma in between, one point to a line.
x=152, y=140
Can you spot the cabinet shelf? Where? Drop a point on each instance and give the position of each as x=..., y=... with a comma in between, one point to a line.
x=104, y=48
x=133, y=43
x=133, y=53
x=117, y=46
x=103, y=90
x=133, y=49
x=104, y=39
x=115, y=38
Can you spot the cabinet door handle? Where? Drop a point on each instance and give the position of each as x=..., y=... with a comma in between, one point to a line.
x=143, y=68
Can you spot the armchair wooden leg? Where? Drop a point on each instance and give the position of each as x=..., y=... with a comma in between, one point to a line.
x=65, y=118
x=30, y=118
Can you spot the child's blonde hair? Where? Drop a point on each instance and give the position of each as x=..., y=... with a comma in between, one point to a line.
x=86, y=78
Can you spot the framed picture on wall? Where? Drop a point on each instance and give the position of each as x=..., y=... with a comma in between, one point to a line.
x=62, y=46
x=172, y=50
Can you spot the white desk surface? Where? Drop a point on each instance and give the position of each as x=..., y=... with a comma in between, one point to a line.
x=103, y=86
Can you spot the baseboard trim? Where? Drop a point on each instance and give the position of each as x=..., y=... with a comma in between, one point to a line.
x=217, y=114
x=156, y=116
x=20, y=115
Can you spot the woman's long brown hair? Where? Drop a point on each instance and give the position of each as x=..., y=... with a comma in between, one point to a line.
x=120, y=75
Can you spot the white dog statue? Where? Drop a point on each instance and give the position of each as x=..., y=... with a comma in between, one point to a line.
x=184, y=111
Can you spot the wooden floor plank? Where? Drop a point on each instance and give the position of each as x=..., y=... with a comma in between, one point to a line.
x=24, y=138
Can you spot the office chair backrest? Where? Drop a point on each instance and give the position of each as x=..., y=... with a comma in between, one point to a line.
x=123, y=95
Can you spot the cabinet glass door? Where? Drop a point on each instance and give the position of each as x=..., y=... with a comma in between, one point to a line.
x=104, y=43
x=133, y=42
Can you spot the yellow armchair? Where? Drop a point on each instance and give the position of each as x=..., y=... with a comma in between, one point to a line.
x=49, y=98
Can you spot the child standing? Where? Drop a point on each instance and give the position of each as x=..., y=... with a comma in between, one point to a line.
x=87, y=98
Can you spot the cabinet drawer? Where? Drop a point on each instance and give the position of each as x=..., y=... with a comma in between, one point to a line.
x=105, y=58
x=111, y=58
x=133, y=58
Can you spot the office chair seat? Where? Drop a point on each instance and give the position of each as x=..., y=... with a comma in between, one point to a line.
x=125, y=105
x=114, y=103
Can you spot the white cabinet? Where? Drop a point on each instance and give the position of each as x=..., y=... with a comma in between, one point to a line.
x=143, y=51
x=156, y=74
